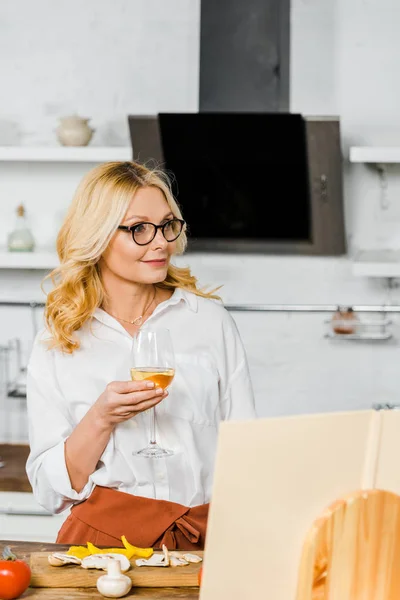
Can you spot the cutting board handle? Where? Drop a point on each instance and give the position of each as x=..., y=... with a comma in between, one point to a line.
x=352, y=552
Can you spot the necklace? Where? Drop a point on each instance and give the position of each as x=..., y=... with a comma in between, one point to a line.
x=139, y=319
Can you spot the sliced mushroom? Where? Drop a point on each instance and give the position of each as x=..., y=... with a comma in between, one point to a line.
x=192, y=558
x=100, y=561
x=166, y=554
x=59, y=559
x=178, y=561
x=157, y=560
x=175, y=553
x=189, y=558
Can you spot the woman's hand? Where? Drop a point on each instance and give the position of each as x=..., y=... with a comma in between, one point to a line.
x=122, y=400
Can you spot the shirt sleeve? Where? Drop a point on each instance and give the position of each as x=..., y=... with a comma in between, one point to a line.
x=50, y=425
x=236, y=389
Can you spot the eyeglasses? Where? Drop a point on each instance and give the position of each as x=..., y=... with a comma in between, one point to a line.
x=144, y=233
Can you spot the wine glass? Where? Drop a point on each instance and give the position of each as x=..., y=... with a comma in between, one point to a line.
x=153, y=359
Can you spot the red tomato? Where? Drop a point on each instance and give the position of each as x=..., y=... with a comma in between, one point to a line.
x=199, y=575
x=15, y=576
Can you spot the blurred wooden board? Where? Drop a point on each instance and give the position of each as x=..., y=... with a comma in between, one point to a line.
x=273, y=478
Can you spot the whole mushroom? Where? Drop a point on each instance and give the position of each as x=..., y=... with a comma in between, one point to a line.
x=115, y=584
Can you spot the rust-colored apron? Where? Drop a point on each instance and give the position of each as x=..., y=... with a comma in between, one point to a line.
x=108, y=514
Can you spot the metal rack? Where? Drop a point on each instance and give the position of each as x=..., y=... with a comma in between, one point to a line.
x=15, y=370
x=361, y=329
x=12, y=386
x=308, y=308
x=13, y=380
x=2, y=382
x=312, y=308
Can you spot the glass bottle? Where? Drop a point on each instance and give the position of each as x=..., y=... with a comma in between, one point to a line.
x=21, y=238
x=344, y=320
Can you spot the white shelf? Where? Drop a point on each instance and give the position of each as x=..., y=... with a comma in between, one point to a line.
x=359, y=336
x=64, y=154
x=377, y=263
x=375, y=154
x=40, y=259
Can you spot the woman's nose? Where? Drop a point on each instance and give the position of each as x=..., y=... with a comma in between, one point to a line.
x=159, y=240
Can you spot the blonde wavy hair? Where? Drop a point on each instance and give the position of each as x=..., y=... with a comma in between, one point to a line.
x=98, y=207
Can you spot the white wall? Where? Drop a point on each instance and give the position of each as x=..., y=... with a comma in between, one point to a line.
x=368, y=53
x=312, y=57
x=106, y=59
x=345, y=56
x=101, y=59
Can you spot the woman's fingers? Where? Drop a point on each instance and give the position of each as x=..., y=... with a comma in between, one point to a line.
x=137, y=397
x=127, y=387
x=141, y=406
x=127, y=398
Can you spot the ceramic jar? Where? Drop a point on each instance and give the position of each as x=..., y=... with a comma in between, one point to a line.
x=74, y=131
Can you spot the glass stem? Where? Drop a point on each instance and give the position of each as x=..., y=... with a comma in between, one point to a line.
x=153, y=427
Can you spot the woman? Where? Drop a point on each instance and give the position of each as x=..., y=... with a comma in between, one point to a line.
x=86, y=418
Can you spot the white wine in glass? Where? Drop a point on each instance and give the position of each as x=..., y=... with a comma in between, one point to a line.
x=153, y=360
x=161, y=377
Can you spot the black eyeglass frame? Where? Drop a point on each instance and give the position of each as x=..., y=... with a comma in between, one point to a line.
x=132, y=228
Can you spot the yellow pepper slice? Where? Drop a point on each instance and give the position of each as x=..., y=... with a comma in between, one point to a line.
x=135, y=551
x=129, y=551
x=78, y=551
x=94, y=550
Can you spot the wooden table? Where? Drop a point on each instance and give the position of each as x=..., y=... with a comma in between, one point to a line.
x=13, y=476
x=24, y=549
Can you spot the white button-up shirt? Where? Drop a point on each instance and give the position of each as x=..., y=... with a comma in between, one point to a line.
x=211, y=384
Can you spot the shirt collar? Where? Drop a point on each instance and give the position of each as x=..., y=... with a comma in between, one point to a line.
x=182, y=295
x=179, y=295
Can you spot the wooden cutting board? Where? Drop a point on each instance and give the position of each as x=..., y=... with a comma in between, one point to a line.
x=71, y=576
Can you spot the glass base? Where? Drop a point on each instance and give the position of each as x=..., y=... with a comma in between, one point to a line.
x=153, y=451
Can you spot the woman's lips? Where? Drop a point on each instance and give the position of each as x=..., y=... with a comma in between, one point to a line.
x=156, y=263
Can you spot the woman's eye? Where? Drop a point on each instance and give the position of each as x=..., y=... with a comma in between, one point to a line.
x=140, y=228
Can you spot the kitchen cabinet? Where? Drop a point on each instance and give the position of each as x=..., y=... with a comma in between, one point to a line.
x=21, y=518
